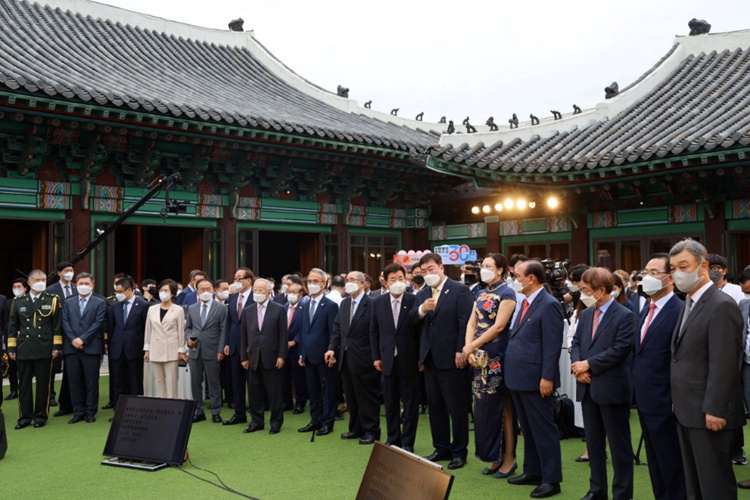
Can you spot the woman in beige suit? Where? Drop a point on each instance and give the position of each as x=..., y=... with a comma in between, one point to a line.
x=165, y=340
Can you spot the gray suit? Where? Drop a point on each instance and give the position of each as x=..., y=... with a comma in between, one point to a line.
x=261, y=346
x=745, y=310
x=705, y=379
x=209, y=336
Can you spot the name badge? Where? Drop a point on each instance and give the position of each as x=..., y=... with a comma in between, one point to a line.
x=46, y=307
x=22, y=309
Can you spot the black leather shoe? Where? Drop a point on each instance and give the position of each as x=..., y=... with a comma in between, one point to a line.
x=456, y=463
x=367, y=439
x=437, y=457
x=408, y=448
x=52, y=402
x=526, y=479
x=297, y=409
x=545, y=490
x=274, y=430
x=236, y=419
x=37, y=425
x=199, y=418
x=324, y=430
x=90, y=419
x=253, y=428
x=61, y=413
x=591, y=496
x=22, y=425
x=108, y=406
x=309, y=428
x=350, y=435
x=12, y=395
x=216, y=419
x=75, y=419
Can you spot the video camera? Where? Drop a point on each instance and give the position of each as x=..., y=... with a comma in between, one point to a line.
x=556, y=273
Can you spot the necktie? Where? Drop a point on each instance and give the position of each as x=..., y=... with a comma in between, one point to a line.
x=651, y=310
x=686, y=313
x=204, y=313
x=312, y=310
x=435, y=295
x=352, y=309
x=239, y=306
x=523, y=311
x=395, y=312
x=260, y=316
x=290, y=315
x=597, y=313
x=67, y=291
x=83, y=305
x=125, y=312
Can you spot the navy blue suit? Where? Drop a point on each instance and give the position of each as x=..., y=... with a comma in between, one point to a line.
x=606, y=401
x=125, y=347
x=58, y=366
x=313, y=340
x=233, y=333
x=186, y=298
x=443, y=334
x=653, y=395
x=293, y=372
x=397, y=347
x=83, y=365
x=533, y=354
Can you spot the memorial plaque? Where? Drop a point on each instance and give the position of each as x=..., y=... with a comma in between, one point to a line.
x=395, y=474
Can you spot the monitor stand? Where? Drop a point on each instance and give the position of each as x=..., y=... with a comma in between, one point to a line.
x=134, y=464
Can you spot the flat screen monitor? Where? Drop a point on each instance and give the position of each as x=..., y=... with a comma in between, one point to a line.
x=150, y=429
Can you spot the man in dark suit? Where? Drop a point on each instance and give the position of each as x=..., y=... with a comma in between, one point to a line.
x=443, y=310
x=84, y=319
x=237, y=303
x=63, y=288
x=745, y=365
x=600, y=362
x=395, y=353
x=651, y=384
x=705, y=375
x=350, y=345
x=263, y=348
x=126, y=328
x=532, y=372
x=204, y=334
x=293, y=371
x=35, y=338
x=188, y=296
x=314, y=338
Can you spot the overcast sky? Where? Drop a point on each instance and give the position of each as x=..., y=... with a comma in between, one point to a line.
x=463, y=58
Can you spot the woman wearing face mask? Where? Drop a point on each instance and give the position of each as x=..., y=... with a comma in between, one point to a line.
x=618, y=293
x=165, y=340
x=488, y=329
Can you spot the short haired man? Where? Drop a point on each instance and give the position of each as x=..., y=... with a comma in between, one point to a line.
x=294, y=373
x=717, y=271
x=337, y=290
x=187, y=297
x=63, y=288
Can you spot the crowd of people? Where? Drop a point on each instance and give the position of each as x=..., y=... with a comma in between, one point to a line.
x=669, y=338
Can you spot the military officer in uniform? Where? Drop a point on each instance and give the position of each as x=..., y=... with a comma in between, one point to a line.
x=34, y=339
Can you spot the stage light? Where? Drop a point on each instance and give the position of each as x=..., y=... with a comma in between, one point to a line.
x=499, y=207
x=521, y=204
x=532, y=204
x=475, y=210
x=508, y=203
x=552, y=202
x=486, y=209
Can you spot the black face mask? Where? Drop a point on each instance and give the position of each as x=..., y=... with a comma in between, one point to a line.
x=418, y=279
x=153, y=291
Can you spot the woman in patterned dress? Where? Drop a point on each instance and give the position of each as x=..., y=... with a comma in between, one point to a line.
x=488, y=329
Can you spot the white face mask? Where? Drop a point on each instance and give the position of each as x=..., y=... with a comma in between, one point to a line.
x=462, y=278
x=292, y=298
x=223, y=295
x=259, y=298
x=432, y=279
x=351, y=288
x=283, y=288
x=509, y=281
x=588, y=300
x=572, y=288
x=487, y=275
x=518, y=285
x=314, y=289
x=397, y=288
x=120, y=297
x=615, y=294
x=650, y=285
x=83, y=290
x=17, y=292
x=206, y=296
x=68, y=276
x=39, y=286
x=237, y=286
x=687, y=282
x=164, y=296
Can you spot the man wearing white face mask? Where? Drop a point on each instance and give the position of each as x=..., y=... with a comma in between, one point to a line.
x=705, y=375
x=239, y=299
x=651, y=380
x=64, y=288
x=337, y=288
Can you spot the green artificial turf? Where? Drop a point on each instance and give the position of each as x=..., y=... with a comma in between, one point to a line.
x=63, y=461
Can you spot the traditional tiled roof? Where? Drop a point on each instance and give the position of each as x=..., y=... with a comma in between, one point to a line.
x=85, y=51
x=696, y=98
